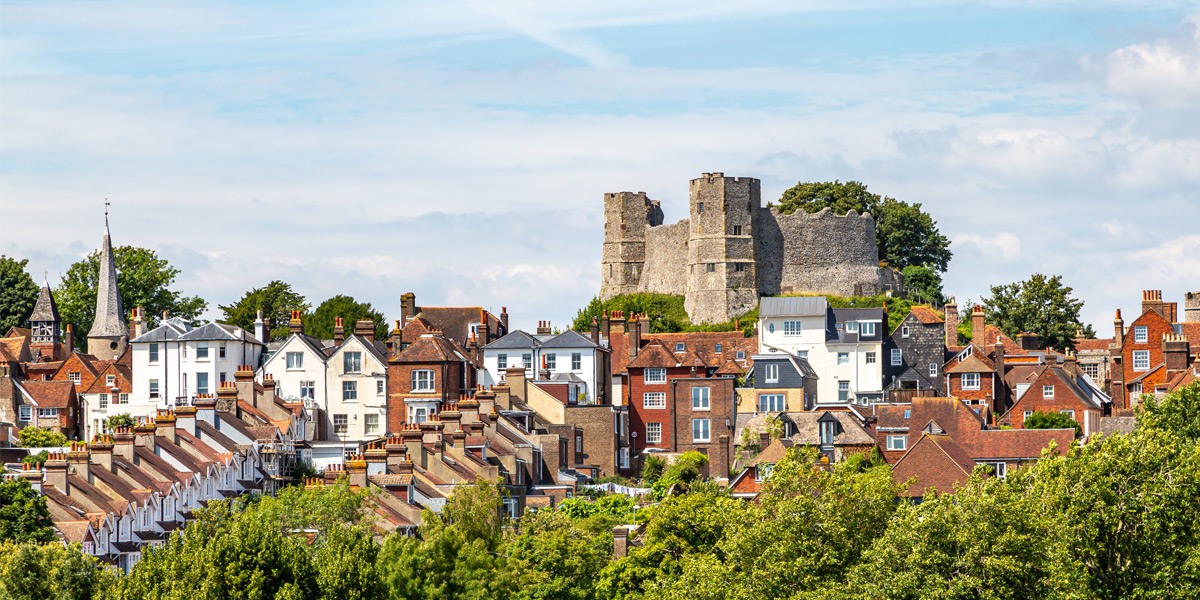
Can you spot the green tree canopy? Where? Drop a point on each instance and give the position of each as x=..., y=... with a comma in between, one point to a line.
x=143, y=278
x=905, y=234
x=665, y=312
x=924, y=284
x=1041, y=305
x=1052, y=420
x=18, y=293
x=37, y=437
x=276, y=300
x=24, y=516
x=320, y=324
x=33, y=571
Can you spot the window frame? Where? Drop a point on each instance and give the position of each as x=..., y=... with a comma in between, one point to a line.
x=502, y=360
x=298, y=363
x=933, y=369
x=352, y=362
x=896, y=357
x=770, y=373
x=1141, y=360
x=896, y=442
x=576, y=361
x=370, y=428
x=866, y=329
x=25, y=413
x=870, y=358
x=793, y=327
x=423, y=380
x=380, y=387
x=843, y=358
x=706, y=430
x=767, y=402
x=978, y=381
x=1141, y=334
x=654, y=433
x=155, y=389
x=1048, y=392
x=660, y=375
x=659, y=400
x=551, y=360
x=342, y=428
x=202, y=351
x=350, y=391
x=701, y=398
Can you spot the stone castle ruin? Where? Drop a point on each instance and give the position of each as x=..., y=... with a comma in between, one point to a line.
x=732, y=250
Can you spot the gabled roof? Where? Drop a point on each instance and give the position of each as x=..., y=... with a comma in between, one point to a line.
x=568, y=339
x=926, y=315
x=220, y=332
x=45, y=309
x=1086, y=345
x=431, y=349
x=773, y=453
x=167, y=331
x=973, y=364
x=49, y=394
x=516, y=340
x=936, y=462
x=455, y=321
x=850, y=433
x=656, y=354
x=792, y=306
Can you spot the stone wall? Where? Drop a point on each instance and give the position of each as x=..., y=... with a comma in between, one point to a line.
x=665, y=269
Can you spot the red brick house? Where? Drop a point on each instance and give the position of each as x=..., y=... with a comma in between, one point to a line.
x=1052, y=389
x=1150, y=353
x=750, y=481
x=50, y=405
x=429, y=372
x=934, y=463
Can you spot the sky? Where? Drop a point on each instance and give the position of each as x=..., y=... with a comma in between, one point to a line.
x=461, y=150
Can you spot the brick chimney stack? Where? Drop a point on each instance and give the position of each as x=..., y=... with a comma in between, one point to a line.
x=77, y=458
x=951, y=323
x=635, y=336
x=339, y=332
x=1152, y=300
x=296, y=323
x=595, y=332
x=978, y=326
x=503, y=320
x=1119, y=330
x=1028, y=341
x=102, y=452
x=69, y=339
x=56, y=472
x=543, y=328
x=365, y=328
x=408, y=307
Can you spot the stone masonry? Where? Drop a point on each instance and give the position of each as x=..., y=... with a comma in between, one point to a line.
x=731, y=250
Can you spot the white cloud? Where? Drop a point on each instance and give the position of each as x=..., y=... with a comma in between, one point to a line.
x=1164, y=73
x=1004, y=245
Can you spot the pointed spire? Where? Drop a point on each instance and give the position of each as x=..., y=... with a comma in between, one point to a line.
x=109, y=322
x=45, y=311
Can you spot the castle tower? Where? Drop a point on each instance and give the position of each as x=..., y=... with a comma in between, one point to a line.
x=1191, y=307
x=627, y=216
x=722, y=277
x=109, y=335
x=45, y=325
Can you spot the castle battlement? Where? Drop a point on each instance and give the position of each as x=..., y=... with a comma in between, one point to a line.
x=731, y=250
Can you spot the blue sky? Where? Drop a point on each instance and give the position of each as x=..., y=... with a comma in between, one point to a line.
x=461, y=150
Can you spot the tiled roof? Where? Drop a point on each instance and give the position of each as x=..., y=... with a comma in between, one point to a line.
x=926, y=315
x=1018, y=444
x=773, y=453
x=431, y=349
x=936, y=462
x=1084, y=345
x=973, y=364
x=455, y=322
x=74, y=532
x=50, y=394
x=656, y=354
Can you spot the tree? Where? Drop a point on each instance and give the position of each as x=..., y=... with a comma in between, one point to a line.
x=556, y=556
x=320, y=325
x=143, y=278
x=1052, y=420
x=31, y=571
x=276, y=300
x=905, y=234
x=36, y=437
x=24, y=516
x=18, y=294
x=1041, y=305
x=924, y=284
x=121, y=420
x=686, y=469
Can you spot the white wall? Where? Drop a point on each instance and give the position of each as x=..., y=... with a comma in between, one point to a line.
x=369, y=401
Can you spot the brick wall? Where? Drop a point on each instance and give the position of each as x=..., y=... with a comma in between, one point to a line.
x=447, y=386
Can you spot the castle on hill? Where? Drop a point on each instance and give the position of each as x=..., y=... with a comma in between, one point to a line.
x=731, y=250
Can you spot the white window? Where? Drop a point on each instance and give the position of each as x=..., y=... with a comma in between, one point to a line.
x=422, y=380
x=349, y=391
x=501, y=361
x=654, y=400
x=418, y=414
x=843, y=358
x=154, y=388
x=771, y=373
x=371, y=424
x=843, y=391
x=653, y=433
x=352, y=362
x=770, y=402
x=970, y=381
x=700, y=430
x=124, y=398
x=576, y=361
x=897, y=357
x=154, y=352
x=74, y=377
x=551, y=361
x=791, y=328
x=110, y=380
x=904, y=331
x=867, y=329
x=700, y=398
x=762, y=471
x=870, y=358
x=1141, y=334
x=933, y=369
x=1091, y=370
x=26, y=413
x=308, y=389
x=658, y=375
x=624, y=458
x=578, y=444
x=999, y=469
x=201, y=350
x=1136, y=389
x=103, y=401
x=1025, y=415
x=380, y=387
x=527, y=361
x=1141, y=360
x=897, y=442
x=1047, y=391
x=295, y=360
x=851, y=326
x=201, y=383
x=741, y=355
x=680, y=347
x=47, y=413
x=341, y=424
x=1069, y=413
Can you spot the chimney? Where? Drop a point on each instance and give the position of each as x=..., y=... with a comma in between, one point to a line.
x=144, y=432
x=977, y=327
x=394, y=342
x=543, y=328
x=396, y=452
x=185, y=419
x=56, y=472
x=408, y=307
x=620, y=542
x=376, y=456
x=164, y=425
x=606, y=326
x=617, y=321
x=205, y=406
x=260, y=327
x=33, y=476
x=431, y=431
x=951, y=323
x=410, y=436
x=102, y=452
x=365, y=328
x=1028, y=341
x=1191, y=307
x=1175, y=352
x=1071, y=365
x=243, y=379
x=1119, y=330
x=485, y=330
x=339, y=332
x=356, y=468
x=635, y=336
x=77, y=458
x=69, y=343
x=1152, y=300
x=166, y=315
x=123, y=443
x=503, y=320
x=227, y=397
x=999, y=390
x=543, y=374
x=296, y=323
x=595, y=332
x=139, y=321
x=267, y=397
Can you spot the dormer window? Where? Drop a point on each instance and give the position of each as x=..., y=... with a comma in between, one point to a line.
x=679, y=347
x=110, y=380
x=717, y=348
x=867, y=329
x=851, y=326
x=904, y=331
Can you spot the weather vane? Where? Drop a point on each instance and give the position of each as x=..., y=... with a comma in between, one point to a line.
x=106, y=205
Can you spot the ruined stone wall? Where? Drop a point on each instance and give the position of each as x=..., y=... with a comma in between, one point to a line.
x=827, y=253
x=665, y=269
x=627, y=217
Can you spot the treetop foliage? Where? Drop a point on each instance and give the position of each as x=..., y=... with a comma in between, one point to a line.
x=37, y=437
x=24, y=516
x=320, y=323
x=18, y=293
x=276, y=300
x=1041, y=305
x=665, y=311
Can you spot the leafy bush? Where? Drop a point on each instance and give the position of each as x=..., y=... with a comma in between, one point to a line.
x=36, y=437
x=1052, y=420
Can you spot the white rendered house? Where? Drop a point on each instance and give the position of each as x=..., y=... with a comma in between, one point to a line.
x=176, y=361
x=568, y=356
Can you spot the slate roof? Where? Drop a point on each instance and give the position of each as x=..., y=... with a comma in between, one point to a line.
x=808, y=431
x=219, y=332
x=789, y=306
x=1084, y=345
x=515, y=340
x=109, y=316
x=569, y=339
x=45, y=309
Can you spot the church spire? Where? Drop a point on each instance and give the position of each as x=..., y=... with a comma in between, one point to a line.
x=109, y=334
